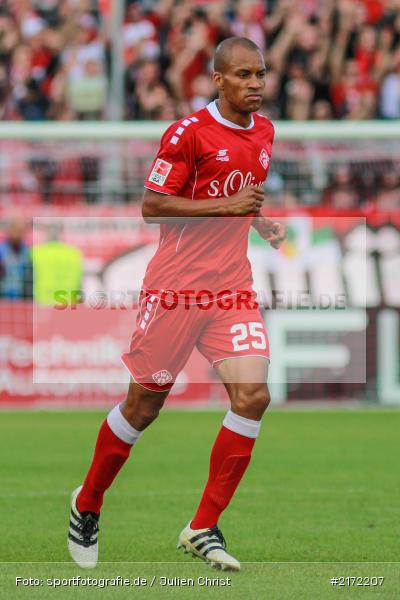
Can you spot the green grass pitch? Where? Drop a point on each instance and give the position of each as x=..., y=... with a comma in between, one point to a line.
x=321, y=499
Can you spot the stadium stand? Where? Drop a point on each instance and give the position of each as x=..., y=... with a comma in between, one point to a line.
x=330, y=60
x=335, y=59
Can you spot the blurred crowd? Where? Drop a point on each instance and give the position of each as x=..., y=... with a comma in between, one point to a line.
x=326, y=58
x=348, y=189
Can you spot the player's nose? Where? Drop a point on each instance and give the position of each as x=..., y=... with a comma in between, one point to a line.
x=255, y=83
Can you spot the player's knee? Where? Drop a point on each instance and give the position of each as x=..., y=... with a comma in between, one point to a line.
x=141, y=415
x=146, y=415
x=251, y=401
x=142, y=406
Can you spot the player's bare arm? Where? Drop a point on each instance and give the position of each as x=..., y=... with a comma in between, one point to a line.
x=162, y=208
x=273, y=232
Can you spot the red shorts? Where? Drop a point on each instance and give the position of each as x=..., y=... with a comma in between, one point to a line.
x=165, y=337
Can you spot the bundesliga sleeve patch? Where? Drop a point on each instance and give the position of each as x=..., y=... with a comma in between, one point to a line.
x=160, y=172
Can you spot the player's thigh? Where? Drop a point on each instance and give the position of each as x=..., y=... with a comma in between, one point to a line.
x=242, y=370
x=236, y=344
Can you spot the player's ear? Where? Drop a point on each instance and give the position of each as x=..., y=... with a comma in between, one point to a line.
x=218, y=80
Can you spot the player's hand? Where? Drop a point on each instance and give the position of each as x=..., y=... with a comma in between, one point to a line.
x=248, y=200
x=271, y=231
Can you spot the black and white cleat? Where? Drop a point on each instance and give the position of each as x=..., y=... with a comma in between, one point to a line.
x=83, y=530
x=209, y=545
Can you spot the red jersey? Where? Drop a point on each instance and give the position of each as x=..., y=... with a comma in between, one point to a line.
x=205, y=156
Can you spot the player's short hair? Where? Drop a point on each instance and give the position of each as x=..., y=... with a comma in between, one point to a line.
x=223, y=51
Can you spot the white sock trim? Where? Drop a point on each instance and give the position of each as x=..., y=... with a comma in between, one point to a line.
x=241, y=425
x=120, y=426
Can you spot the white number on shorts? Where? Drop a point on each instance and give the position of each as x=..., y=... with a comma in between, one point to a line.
x=245, y=330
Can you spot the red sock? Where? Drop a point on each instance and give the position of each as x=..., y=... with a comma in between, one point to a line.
x=109, y=455
x=229, y=459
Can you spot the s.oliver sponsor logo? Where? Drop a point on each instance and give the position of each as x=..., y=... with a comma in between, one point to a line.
x=234, y=182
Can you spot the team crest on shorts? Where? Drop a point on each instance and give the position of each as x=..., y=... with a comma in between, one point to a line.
x=264, y=158
x=160, y=172
x=162, y=377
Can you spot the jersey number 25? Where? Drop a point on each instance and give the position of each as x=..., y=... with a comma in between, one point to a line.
x=244, y=331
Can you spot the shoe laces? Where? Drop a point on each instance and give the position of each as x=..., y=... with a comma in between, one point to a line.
x=216, y=532
x=88, y=525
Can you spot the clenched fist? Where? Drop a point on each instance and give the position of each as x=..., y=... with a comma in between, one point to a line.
x=249, y=200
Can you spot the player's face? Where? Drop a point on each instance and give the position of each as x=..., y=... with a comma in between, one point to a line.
x=243, y=82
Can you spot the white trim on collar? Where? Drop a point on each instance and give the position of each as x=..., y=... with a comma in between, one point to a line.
x=214, y=112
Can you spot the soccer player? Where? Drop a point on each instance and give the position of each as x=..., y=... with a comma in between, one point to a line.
x=205, y=190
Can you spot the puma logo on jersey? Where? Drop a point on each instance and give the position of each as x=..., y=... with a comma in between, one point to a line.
x=222, y=155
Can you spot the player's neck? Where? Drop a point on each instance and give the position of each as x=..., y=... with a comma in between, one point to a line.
x=226, y=111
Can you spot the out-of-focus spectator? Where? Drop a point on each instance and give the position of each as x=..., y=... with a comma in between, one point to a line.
x=272, y=105
x=390, y=93
x=84, y=70
x=351, y=96
x=147, y=93
x=342, y=192
x=299, y=94
x=57, y=267
x=388, y=196
x=321, y=111
x=60, y=182
x=15, y=263
x=190, y=46
x=87, y=95
x=202, y=90
x=139, y=34
x=3, y=92
x=248, y=22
